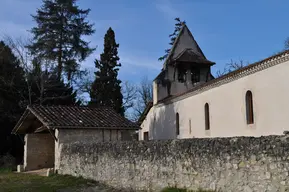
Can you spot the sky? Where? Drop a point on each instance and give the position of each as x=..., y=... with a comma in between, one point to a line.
x=249, y=30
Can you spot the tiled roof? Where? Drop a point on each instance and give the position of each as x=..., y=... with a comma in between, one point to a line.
x=190, y=55
x=80, y=117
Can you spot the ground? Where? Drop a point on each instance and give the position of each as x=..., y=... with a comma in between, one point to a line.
x=23, y=182
x=34, y=182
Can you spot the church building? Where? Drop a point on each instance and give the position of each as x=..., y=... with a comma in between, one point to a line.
x=189, y=102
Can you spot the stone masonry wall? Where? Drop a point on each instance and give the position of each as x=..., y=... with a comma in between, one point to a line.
x=38, y=151
x=229, y=164
x=67, y=136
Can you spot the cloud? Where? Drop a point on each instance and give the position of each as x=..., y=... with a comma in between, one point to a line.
x=167, y=8
x=140, y=61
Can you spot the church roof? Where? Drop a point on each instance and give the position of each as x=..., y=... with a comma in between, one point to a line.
x=234, y=75
x=59, y=117
x=184, y=41
x=188, y=55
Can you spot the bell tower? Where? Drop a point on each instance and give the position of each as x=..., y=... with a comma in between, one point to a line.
x=185, y=68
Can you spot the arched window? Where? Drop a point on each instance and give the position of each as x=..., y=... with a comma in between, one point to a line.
x=249, y=108
x=177, y=124
x=207, y=117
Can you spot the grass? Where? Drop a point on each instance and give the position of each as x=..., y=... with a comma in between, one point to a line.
x=172, y=189
x=23, y=182
x=20, y=182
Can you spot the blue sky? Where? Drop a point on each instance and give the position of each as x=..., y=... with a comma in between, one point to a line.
x=250, y=30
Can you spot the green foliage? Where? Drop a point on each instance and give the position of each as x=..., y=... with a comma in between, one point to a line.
x=47, y=89
x=5, y=170
x=12, y=99
x=12, y=84
x=106, y=89
x=178, y=26
x=58, y=35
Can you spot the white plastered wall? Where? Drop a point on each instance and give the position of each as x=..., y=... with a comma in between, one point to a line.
x=270, y=89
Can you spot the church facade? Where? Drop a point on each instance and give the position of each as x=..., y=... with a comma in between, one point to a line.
x=189, y=102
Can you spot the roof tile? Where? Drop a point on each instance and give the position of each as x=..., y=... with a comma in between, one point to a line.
x=80, y=117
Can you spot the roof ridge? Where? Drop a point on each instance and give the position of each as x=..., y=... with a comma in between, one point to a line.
x=69, y=106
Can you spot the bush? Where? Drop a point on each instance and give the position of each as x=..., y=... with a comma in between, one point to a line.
x=7, y=162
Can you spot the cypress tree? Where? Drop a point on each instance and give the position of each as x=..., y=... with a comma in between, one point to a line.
x=58, y=35
x=106, y=89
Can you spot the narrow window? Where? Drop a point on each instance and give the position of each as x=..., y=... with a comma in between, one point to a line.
x=207, y=117
x=249, y=108
x=146, y=136
x=177, y=124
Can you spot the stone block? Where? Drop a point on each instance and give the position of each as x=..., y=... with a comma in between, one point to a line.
x=49, y=172
x=20, y=168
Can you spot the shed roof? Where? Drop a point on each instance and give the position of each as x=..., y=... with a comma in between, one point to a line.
x=61, y=117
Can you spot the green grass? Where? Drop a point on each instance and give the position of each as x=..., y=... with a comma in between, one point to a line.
x=20, y=182
x=172, y=189
x=5, y=170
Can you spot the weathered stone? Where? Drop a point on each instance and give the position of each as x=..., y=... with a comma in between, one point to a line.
x=247, y=164
x=49, y=172
x=20, y=168
x=235, y=166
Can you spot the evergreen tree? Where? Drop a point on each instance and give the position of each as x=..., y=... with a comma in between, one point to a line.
x=47, y=89
x=12, y=99
x=178, y=26
x=12, y=84
x=106, y=89
x=58, y=35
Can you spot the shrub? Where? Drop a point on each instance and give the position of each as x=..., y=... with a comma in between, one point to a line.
x=7, y=161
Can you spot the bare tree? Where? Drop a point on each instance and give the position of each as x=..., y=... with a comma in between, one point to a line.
x=18, y=46
x=287, y=44
x=38, y=76
x=231, y=66
x=129, y=92
x=144, y=96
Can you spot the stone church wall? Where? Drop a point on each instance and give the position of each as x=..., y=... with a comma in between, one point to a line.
x=229, y=164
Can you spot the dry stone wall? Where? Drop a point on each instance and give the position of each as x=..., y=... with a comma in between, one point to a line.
x=229, y=164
